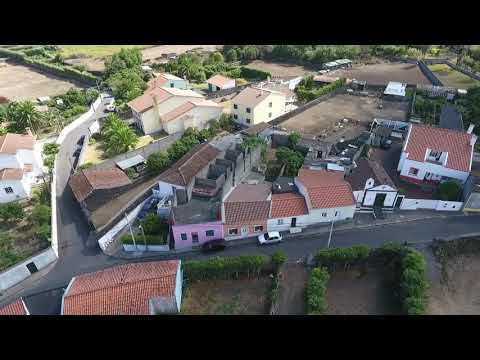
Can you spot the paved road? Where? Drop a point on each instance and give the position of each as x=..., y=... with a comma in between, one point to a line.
x=42, y=301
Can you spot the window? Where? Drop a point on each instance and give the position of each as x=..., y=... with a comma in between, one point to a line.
x=172, y=85
x=183, y=236
x=324, y=214
x=235, y=116
x=248, y=121
x=280, y=222
x=269, y=114
x=194, y=237
x=435, y=154
x=9, y=190
x=248, y=110
x=258, y=228
x=336, y=213
x=270, y=104
x=235, y=106
x=209, y=232
x=232, y=231
x=218, y=88
x=413, y=171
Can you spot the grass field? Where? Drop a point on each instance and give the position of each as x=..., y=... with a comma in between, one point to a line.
x=95, y=51
x=451, y=77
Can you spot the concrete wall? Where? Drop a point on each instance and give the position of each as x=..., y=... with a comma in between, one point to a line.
x=150, y=122
x=439, y=205
x=201, y=229
x=178, y=286
x=264, y=113
x=370, y=196
x=20, y=272
x=406, y=164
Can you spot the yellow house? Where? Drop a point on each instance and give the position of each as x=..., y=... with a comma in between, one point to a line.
x=255, y=105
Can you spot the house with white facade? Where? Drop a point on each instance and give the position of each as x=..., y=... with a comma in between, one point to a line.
x=219, y=82
x=173, y=110
x=435, y=154
x=254, y=105
x=20, y=166
x=167, y=81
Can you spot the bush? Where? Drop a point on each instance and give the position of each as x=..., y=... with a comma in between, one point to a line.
x=248, y=73
x=41, y=215
x=316, y=292
x=449, y=191
x=85, y=166
x=50, y=149
x=225, y=267
x=152, y=225
x=11, y=212
x=44, y=232
x=278, y=259
x=343, y=256
x=74, y=111
x=149, y=239
x=304, y=93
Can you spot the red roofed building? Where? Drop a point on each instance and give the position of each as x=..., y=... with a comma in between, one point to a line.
x=150, y=288
x=16, y=308
x=436, y=154
x=219, y=82
x=288, y=210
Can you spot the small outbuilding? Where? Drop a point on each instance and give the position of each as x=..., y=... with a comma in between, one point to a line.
x=219, y=82
x=396, y=89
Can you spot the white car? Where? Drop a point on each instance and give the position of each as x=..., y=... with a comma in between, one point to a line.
x=270, y=238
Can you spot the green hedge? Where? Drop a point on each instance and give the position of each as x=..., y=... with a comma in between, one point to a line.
x=226, y=267
x=343, y=256
x=54, y=69
x=248, y=73
x=306, y=94
x=151, y=239
x=316, y=291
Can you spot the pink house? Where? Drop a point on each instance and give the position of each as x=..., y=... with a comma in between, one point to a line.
x=196, y=222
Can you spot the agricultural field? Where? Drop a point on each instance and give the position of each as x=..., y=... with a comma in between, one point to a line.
x=322, y=117
x=94, y=51
x=382, y=73
x=279, y=69
x=18, y=82
x=453, y=78
x=227, y=297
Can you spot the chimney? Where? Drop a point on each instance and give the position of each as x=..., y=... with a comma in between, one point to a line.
x=470, y=128
x=473, y=140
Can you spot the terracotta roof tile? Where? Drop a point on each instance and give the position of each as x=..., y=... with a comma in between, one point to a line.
x=251, y=96
x=248, y=193
x=158, y=81
x=185, y=169
x=287, y=205
x=456, y=143
x=310, y=177
x=246, y=212
x=10, y=143
x=87, y=181
x=11, y=174
x=124, y=289
x=15, y=308
x=145, y=101
x=219, y=80
x=365, y=170
x=180, y=110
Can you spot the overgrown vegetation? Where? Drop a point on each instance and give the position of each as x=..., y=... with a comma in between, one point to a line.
x=155, y=230
x=428, y=108
x=307, y=90
x=291, y=159
x=117, y=136
x=469, y=106
x=449, y=191
x=316, y=291
x=342, y=257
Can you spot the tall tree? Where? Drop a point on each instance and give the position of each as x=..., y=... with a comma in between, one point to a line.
x=22, y=115
x=118, y=137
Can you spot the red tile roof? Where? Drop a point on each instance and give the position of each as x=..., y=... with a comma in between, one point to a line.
x=85, y=182
x=145, y=101
x=11, y=143
x=248, y=193
x=246, y=212
x=287, y=205
x=185, y=169
x=219, y=80
x=326, y=189
x=158, y=81
x=121, y=290
x=456, y=143
x=189, y=105
x=11, y=174
x=15, y=308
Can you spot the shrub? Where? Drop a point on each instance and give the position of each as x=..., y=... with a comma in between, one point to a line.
x=40, y=215
x=316, y=291
x=50, y=149
x=248, y=73
x=152, y=225
x=11, y=212
x=157, y=162
x=449, y=191
x=160, y=239
x=44, y=232
x=343, y=256
x=85, y=166
x=278, y=259
x=74, y=111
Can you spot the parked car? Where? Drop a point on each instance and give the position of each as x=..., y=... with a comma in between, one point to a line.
x=214, y=245
x=272, y=237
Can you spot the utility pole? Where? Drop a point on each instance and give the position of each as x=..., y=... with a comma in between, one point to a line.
x=331, y=230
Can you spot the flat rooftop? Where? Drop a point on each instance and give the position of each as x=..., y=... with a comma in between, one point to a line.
x=197, y=211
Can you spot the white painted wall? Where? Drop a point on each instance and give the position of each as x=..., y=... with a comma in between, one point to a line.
x=150, y=121
x=439, y=205
x=370, y=195
x=197, y=118
x=20, y=191
x=432, y=168
x=273, y=225
x=358, y=195
x=262, y=111
x=10, y=161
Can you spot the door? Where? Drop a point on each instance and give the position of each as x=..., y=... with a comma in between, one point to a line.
x=398, y=202
x=244, y=230
x=294, y=222
x=379, y=199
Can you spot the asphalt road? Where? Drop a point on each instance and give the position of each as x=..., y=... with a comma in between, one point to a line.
x=44, y=296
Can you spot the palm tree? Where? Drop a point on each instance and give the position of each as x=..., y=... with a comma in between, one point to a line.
x=120, y=140
x=22, y=115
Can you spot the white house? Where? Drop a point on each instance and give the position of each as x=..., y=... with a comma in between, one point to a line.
x=172, y=110
x=167, y=81
x=436, y=154
x=254, y=105
x=20, y=166
x=219, y=82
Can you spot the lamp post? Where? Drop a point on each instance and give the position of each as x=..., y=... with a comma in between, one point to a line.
x=331, y=230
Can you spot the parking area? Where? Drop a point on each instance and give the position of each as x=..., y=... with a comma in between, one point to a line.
x=18, y=82
x=322, y=118
x=382, y=73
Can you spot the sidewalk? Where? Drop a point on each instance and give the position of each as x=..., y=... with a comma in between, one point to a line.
x=360, y=221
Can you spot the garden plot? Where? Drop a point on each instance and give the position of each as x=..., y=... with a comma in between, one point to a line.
x=382, y=73
x=18, y=82
x=322, y=117
x=227, y=297
x=453, y=78
x=279, y=69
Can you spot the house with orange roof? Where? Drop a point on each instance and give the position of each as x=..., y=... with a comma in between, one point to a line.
x=149, y=288
x=172, y=110
x=167, y=81
x=432, y=154
x=219, y=82
x=20, y=166
x=16, y=308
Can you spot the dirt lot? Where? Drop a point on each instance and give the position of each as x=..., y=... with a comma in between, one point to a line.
x=354, y=293
x=381, y=74
x=227, y=297
x=453, y=78
x=291, y=299
x=279, y=69
x=18, y=82
x=323, y=116
x=460, y=294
